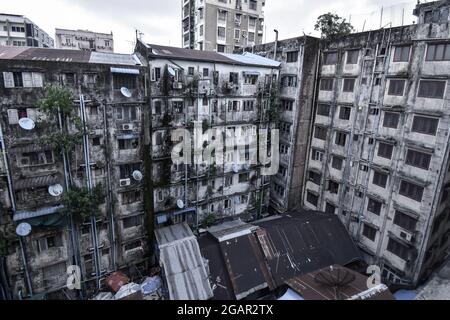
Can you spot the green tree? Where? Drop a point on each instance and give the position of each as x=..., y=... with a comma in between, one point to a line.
x=82, y=204
x=333, y=26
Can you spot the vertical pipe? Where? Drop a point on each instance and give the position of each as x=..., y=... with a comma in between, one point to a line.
x=276, y=45
x=25, y=264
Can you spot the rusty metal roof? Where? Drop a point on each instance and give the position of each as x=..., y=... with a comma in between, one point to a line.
x=183, y=265
x=300, y=243
x=69, y=56
x=355, y=288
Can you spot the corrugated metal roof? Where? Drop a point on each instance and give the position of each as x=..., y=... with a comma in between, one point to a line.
x=64, y=55
x=184, y=267
x=36, y=182
x=198, y=55
x=353, y=286
x=230, y=230
x=24, y=215
x=252, y=59
x=301, y=243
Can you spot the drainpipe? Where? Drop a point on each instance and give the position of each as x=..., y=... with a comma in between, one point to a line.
x=89, y=185
x=13, y=207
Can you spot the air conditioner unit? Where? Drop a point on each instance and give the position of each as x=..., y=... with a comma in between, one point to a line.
x=127, y=127
x=125, y=182
x=178, y=85
x=407, y=236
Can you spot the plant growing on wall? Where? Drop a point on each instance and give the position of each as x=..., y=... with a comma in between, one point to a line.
x=58, y=100
x=81, y=203
x=208, y=221
x=7, y=236
x=332, y=26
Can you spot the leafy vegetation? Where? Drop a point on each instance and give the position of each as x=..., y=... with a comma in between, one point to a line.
x=81, y=203
x=208, y=221
x=57, y=99
x=332, y=26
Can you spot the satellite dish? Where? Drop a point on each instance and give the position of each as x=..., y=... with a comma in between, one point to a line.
x=27, y=124
x=137, y=175
x=235, y=168
x=180, y=204
x=23, y=229
x=55, y=190
x=126, y=92
x=171, y=71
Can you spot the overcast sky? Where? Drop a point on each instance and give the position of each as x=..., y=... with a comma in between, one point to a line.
x=160, y=20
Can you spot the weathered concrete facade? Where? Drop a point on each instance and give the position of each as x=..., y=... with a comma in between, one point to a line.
x=299, y=58
x=84, y=40
x=379, y=154
x=227, y=97
x=222, y=25
x=112, y=137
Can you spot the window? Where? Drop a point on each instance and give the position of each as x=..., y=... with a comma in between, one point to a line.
x=418, y=159
x=124, y=80
x=234, y=77
x=396, y=87
x=96, y=141
x=237, y=34
x=191, y=71
x=244, y=177
x=333, y=187
x=431, y=89
x=425, y=125
x=126, y=170
x=287, y=105
x=289, y=81
x=250, y=79
x=131, y=197
x=411, y=190
x=221, y=32
x=128, y=144
x=349, y=85
x=341, y=139
x=326, y=84
x=23, y=79
x=157, y=74
x=48, y=242
x=369, y=232
x=345, y=113
x=132, y=222
x=30, y=159
x=317, y=155
x=158, y=107
x=404, y=221
x=330, y=209
x=128, y=113
x=352, y=56
x=391, y=120
x=292, y=57
x=323, y=110
x=312, y=198
x=205, y=72
x=251, y=37
x=337, y=163
x=399, y=249
x=385, y=150
x=69, y=79
x=220, y=48
x=401, y=53
x=284, y=149
x=330, y=58
x=253, y=5
x=380, y=179
x=315, y=177
x=249, y=105
x=374, y=206
x=320, y=133
x=438, y=52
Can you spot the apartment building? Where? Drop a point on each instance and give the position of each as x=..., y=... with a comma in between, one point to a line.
x=229, y=97
x=222, y=25
x=84, y=40
x=298, y=58
x=41, y=162
x=379, y=152
x=19, y=31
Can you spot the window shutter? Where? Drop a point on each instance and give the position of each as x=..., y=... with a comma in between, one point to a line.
x=31, y=112
x=8, y=78
x=153, y=75
x=13, y=116
x=27, y=80
x=37, y=80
